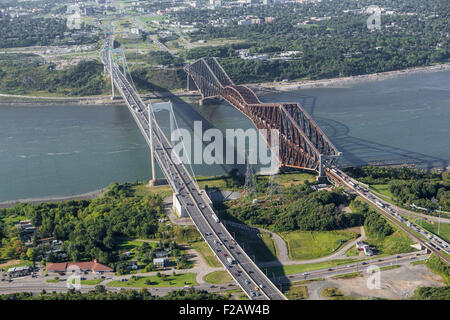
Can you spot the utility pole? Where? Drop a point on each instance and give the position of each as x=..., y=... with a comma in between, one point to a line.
x=150, y=136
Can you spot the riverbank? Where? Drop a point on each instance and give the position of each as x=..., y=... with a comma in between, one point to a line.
x=258, y=87
x=83, y=196
x=343, y=81
x=12, y=99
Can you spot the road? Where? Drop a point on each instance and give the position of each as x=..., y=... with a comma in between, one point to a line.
x=430, y=241
x=243, y=270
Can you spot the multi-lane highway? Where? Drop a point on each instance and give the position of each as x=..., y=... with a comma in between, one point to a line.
x=244, y=271
x=430, y=241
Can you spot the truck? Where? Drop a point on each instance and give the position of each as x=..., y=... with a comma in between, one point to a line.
x=230, y=261
x=380, y=204
x=352, y=184
x=216, y=219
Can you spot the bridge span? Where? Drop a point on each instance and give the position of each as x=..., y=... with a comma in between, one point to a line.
x=244, y=271
x=302, y=144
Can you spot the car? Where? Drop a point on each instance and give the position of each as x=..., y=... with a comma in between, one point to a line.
x=350, y=266
x=330, y=269
x=380, y=260
x=306, y=274
x=363, y=263
x=247, y=282
x=261, y=286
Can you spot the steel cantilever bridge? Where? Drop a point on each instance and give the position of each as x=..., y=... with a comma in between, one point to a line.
x=302, y=144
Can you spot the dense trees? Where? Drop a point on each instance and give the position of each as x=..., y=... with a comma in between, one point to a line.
x=298, y=207
x=431, y=293
x=25, y=73
x=101, y=294
x=27, y=31
x=409, y=186
x=338, y=45
x=89, y=229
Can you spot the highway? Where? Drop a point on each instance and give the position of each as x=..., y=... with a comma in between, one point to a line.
x=243, y=270
x=356, y=267
x=430, y=241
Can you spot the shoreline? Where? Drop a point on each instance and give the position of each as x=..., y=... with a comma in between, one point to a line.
x=267, y=87
x=82, y=196
x=344, y=81
x=11, y=99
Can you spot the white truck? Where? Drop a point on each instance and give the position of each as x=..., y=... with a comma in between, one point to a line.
x=380, y=204
x=230, y=261
x=216, y=219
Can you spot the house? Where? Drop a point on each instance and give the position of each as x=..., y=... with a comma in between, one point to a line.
x=160, y=262
x=360, y=245
x=368, y=251
x=133, y=265
x=93, y=266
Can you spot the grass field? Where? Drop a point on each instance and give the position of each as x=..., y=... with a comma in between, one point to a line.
x=397, y=242
x=299, y=268
x=382, y=189
x=92, y=282
x=179, y=280
x=444, y=231
x=218, y=277
x=203, y=249
x=305, y=245
x=261, y=246
x=297, y=292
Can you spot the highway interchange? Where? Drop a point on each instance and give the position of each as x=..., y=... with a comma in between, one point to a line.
x=430, y=241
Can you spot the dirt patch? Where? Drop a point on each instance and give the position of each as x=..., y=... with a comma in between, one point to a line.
x=9, y=263
x=395, y=284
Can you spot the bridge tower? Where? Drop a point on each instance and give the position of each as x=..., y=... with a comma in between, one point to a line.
x=111, y=72
x=150, y=133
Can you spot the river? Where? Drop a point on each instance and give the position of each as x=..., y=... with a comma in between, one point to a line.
x=64, y=150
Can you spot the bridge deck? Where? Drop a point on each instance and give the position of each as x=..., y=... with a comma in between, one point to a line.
x=243, y=270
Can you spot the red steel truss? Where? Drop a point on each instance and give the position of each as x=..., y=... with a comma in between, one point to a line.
x=302, y=144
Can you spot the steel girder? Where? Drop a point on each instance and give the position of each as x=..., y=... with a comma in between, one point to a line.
x=302, y=144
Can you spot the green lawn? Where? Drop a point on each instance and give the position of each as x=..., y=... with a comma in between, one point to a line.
x=218, y=277
x=179, y=280
x=259, y=245
x=203, y=249
x=397, y=242
x=53, y=280
x=92, y=282
x=299, y=268
x=382, y=189
x=297, y=292
x=305, y=245
x=444, y=231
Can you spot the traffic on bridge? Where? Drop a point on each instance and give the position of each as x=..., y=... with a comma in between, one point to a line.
x=243, y=270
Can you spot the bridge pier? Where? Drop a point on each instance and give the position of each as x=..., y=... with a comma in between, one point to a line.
x=191, y=86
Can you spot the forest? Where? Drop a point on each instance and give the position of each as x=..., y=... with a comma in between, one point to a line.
x=89, y=228
x=28, y=73
x=100, y=293
x=409, y=186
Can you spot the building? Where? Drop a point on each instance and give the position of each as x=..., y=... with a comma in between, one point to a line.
x=93, y=266
x=360, y=245
x=160, y=262
x=19, y=271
